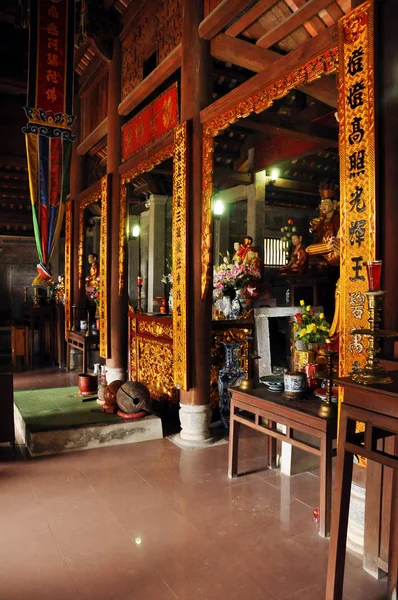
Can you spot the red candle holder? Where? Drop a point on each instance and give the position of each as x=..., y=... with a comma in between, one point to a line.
x=373, y=270
x=139, y=280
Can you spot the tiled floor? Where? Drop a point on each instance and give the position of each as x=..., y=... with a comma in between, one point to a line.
x=49, y=377
x=149, y=521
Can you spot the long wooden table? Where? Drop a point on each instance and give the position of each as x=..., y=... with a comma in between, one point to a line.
x=310, y=416
x=377, y=407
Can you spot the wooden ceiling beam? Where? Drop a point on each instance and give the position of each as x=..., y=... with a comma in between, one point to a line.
x=224, y=174
x=221, y=16
x=296, y=20
x=250, y=16
x=323, y=89
x=13, y=217
x=272, y=124
x=281, y=68
x=243, y=54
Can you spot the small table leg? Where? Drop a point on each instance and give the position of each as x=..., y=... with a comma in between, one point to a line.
x=67, y=356
x=341, y=505
x=271, y=447
x=392, y=585
x=84, y=357
x=325, y=495
x=233, y=443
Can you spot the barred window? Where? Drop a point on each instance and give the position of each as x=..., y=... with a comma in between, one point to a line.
x=275, y=252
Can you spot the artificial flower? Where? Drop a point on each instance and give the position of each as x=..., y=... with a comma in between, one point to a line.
x=310, y=327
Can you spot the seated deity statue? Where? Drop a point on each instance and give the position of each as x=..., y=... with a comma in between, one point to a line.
x=298, y=262
x=93, y=274
x=241, y=250
x=325, y=229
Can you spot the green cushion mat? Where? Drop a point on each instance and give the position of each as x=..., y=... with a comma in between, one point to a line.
x=59, y=408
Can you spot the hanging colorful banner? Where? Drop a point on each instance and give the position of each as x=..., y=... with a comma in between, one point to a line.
x=48, y=131
x=357, y=179
x=151, y=122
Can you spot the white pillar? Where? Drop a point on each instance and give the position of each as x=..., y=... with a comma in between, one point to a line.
x=157, y=247
x=256, y=212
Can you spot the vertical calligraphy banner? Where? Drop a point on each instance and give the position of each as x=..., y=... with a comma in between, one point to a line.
x=179, y=245
x=49, y=128
x=357, y=179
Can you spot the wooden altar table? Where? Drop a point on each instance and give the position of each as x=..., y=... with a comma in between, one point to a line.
x=377, y=407
x=308, y=415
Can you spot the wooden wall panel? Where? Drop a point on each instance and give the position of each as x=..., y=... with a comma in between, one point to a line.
x=159, y=29
x=94, y=103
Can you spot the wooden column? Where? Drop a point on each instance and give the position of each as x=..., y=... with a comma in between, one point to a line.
x=387, y=142
x=195, y=95
x=76, y=186
x=117, y=326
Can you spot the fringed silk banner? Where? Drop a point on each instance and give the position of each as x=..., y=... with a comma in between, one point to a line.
x=151, y=122
x=48, y=131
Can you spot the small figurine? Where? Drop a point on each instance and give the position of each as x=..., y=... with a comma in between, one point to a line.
x=298, y=262
x=93, y=274
x=326, y=228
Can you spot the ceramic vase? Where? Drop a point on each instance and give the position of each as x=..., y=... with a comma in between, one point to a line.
x=170, y=300
x=231, y=374
x=227, y=306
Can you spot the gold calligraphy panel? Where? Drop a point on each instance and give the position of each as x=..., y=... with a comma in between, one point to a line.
x=68, y=266
x=179, y=245
x=357, y=178
x=103, y=306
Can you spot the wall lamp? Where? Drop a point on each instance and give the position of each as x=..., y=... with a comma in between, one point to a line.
x=135, y=232
x=274, y=175
x=218, y=207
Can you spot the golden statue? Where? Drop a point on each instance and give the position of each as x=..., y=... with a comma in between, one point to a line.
x=326, y=229
x=92, y=279
x=297, y=264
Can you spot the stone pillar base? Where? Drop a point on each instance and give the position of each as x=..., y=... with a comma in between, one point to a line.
x=115, y=374
x=195, y=423
x=76, y=359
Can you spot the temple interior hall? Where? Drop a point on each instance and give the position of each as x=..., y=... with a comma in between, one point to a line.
x=198, y=300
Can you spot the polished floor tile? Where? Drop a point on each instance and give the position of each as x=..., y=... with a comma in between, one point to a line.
x=149, y=521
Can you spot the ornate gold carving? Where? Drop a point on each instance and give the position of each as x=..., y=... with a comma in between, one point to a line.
x=68, y=266
x=100, y=194
x=133, y=349
x=159, y=30
x=155, y=328
x=155, y=367
x=357, y=178
x=85, y=200
x=324, y=64
x=103, y=306
x=179, y=245
x=143, y=167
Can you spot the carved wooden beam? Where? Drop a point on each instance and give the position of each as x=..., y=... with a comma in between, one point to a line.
x=250, y=16
x=293, y=22
x=284, y=66
x=93, y=138
x=243, y=54
x=256, y=59
x=273, y=124
x=221, y=16
x=235, y=176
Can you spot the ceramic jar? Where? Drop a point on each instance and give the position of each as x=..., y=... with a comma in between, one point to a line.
x=295, y=384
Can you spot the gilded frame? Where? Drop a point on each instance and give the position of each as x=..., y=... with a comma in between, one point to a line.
x=326, y=63
x=68, y=266
x=98, y=192
x=178, y=151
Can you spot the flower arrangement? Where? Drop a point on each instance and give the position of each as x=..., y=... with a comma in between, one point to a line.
x=95, y=295
x=167, y=278
x=288, y=231
x=234, y=275
x=310, y=327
